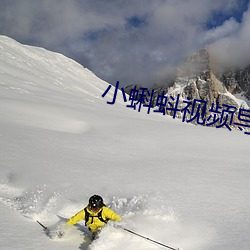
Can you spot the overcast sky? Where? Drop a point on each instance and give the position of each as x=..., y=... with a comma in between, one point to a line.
x=133, y=41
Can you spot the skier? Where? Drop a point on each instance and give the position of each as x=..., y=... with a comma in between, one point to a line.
x=95, y=214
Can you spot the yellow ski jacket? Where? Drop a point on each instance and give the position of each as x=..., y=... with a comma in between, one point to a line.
x=94, y=223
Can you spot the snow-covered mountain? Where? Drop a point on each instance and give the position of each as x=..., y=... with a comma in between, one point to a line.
x=201, y=90
x=183, y=185
x=196, y=80
x=213, y=85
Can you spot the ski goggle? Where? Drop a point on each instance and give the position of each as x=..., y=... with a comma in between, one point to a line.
x=94, y=208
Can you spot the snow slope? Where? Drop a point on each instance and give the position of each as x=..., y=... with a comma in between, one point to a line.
x=183, y=185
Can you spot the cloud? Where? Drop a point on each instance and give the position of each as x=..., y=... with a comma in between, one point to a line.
x=130, y=41
x=233, y=49
x=228, y=28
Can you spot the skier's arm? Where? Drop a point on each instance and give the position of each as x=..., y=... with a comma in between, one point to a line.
x=110, y=214
x=77, y=217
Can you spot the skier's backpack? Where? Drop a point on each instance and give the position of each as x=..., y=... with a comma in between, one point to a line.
x=88, y=216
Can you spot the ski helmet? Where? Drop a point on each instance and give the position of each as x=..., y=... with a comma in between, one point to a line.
x=95, y=202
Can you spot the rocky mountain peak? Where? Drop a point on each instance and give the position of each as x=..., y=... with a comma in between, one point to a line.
x=196, y=80
x=197, y=64
x=237, y=81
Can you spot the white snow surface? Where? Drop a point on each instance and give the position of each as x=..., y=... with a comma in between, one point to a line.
x=185, y=186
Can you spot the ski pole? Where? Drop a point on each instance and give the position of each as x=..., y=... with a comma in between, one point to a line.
x=45, y=228
x=146, y=238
